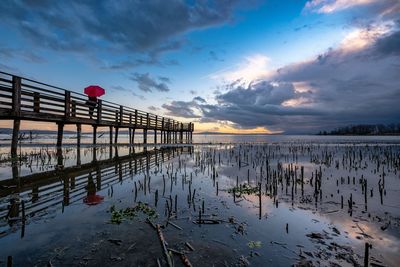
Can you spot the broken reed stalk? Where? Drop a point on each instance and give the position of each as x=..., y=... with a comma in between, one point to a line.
x=176, y=226
x=156, y=197
x=259, y=200
x=199, y=217
x=341, y=199
x=185, y=260
x=164, y=247
x=176, y=206
x=366, y=254
x=189, y=246
x=23, y=219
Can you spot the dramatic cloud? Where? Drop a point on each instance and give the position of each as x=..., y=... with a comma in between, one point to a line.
x=152, y=27
x=371, y=10
x=153, y=108
x=185, y=109
x=389, y=45
x=199, y=99
x=328, y=6
x=148, y=84
x=253, y=67
x=357, y=82
x=29, y=56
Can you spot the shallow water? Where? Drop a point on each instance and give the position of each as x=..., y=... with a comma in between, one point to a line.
x=296, y=218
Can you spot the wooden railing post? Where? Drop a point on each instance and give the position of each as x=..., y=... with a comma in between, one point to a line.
x=135, y=117
x=121, y=114
x=147, y=120
x=169, y=133
x=78, y=134
x=67, y=104
x=73, y=108
x=99, y=110
x=60, y=132
x=36, y=102
x=181, y=133
x=16, y=95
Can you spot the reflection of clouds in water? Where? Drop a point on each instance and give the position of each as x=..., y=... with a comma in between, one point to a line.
x=388, y=245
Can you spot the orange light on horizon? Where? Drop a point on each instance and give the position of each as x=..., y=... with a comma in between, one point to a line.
x=198, y=126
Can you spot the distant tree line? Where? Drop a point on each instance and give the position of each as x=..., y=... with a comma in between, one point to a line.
x=365, y=129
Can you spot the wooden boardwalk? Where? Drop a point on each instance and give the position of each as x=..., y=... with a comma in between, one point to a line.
x=26, y=99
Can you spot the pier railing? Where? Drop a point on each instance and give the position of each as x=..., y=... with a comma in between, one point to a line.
x=31, y=100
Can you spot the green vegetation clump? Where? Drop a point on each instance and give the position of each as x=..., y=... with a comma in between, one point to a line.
x=254, y=244
x=119, y=215
x=244, y=189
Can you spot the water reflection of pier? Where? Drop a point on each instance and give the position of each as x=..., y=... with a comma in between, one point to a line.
x=30, y=196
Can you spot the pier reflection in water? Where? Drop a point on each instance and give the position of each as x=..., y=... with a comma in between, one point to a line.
x=30, y=196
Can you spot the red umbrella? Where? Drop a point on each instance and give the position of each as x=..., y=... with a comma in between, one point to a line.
x=94, y=90
x=93, y=199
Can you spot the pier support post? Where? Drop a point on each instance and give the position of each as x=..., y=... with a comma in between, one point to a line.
x=133, y=136
x=60, y=132
x=116, y=135
x=155, y=136
x=60, y=164
x=14, y=142
x=94, y=134
x=111, y=135
x=94, y=154
x=130, y=136
x=78, y=156
x=14, y=169
x=144, y=136
x=78, y=135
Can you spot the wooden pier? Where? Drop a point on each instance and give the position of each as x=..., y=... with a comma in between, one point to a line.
x=26, y=99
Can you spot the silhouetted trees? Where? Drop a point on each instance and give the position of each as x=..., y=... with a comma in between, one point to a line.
x=365, y=129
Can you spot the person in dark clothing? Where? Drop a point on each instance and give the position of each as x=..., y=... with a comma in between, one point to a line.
x=92, y=103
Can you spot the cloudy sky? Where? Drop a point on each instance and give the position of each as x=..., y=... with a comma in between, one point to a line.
x=231, y=66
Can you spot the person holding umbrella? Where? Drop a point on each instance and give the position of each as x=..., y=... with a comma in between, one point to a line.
x=93, y=92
